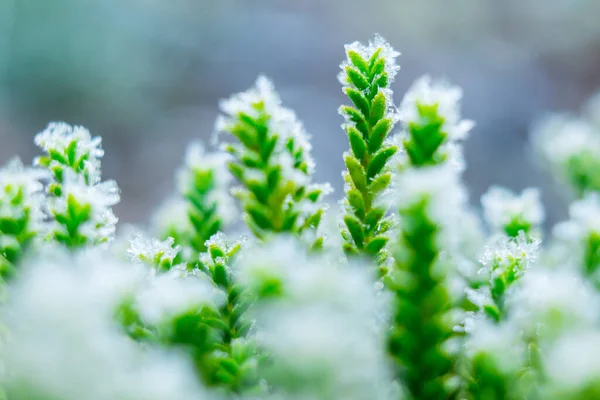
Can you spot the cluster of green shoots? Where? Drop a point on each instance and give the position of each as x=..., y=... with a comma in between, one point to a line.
x=238, y=289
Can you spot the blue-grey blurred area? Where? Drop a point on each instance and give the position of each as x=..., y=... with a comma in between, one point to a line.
x=146, y=75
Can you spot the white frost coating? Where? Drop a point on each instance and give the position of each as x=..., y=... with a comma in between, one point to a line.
x=59, y=135
x=558, y=138
x=326, y=325
x=101, y=197
x=17, y=180
x=505, y=253
x=425, y=92
x=502, y=343
x=309, y=280
x=501, y=206
x=171, y=216
x=366, y=52
x=328, y=348
x=171, y=294
x=64, y=343
x=446, y=198
x=151, y=250
x=281, y=121
x=551, y=301
x=573, y=362
x=584, y=220
x=198, y=160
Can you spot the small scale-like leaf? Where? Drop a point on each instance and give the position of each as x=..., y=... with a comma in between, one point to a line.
x=357, y=173
x=220, y=275
x=380, y=182
x=258, y=216
x=355, y=229
x=355, y=199
x=378, y=134
x=379, y=160
x=376, y=244
x=359, y=62
x=359, y=101
x=373, y=217
x=357, y=144
x=377, y=67
x=378, y=107
x=356, y=78
x=355, y=116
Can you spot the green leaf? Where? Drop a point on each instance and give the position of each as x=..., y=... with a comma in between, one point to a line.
x=355, y=199
x=379, y=160
x=359, y=100
x=356, y=78
x=357, y=173
x=377, y=67
x=258, y=216
x=373, y=217
x=355, y=229
x=379, y=133
x=376, y=244
x=355, y=116
x=359, y=62
x=374, y=57
x=378, y=107
x=380, y=182
x=349, y=249
x=357, y=144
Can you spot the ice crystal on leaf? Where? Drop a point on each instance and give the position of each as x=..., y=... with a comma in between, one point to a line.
x=510, y=213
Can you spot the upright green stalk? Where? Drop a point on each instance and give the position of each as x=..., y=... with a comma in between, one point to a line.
x=271, y=160
x=80, y=204
x=203, y=207
x=367, y=75
x=432, y=209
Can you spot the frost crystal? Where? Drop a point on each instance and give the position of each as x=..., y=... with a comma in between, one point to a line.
x=71, y=146
x=261, y=100
x=571, y=147
x=508, y=212
x=319, y=321
x=509, y=257
x=64, y=342
x=378, y=45
x=501, y=343
x=170, y=295
x=440, y=186
x=584, y=220
x=87, y=207
x=153, y=251
x=441, y=96
x=573, y=364
x=21, y=193
x=552, y=301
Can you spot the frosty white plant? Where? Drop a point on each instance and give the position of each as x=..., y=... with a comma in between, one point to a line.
x=570, y=146
x=191, y=314
x=80, y=204
x=21, y=216
x=430, y=113
x=64, y=343
x=579, y=237
x=320, y=324
x=367, y=75
x=510, y=214
x=272, y=162
x=204, y=206
x=421, y=340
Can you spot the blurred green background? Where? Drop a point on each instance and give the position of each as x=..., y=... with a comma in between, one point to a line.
x=146, y=75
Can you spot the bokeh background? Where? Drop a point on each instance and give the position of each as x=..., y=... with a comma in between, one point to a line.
x=146, y=75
